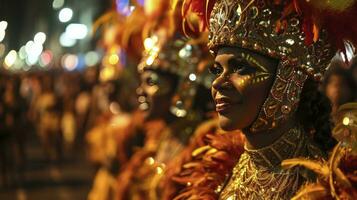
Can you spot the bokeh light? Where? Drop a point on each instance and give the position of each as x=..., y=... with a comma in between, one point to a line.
x=65, y=15
x=22, y=52
x=33, y=50
x=40, y=38
x=45, y=58
x=107, y=73
x=10, y=59
x=346, y=121
x=65, y=41
x=57, y=4
x=113, y=59
x=91, y=58
x=149, y=43
x=192, y=77
x=2, y=35
x=3, y=25
x=76, y=31
x=69, y=62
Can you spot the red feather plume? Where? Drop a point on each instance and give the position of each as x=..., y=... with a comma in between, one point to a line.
x=340, y=23
x=201, y=9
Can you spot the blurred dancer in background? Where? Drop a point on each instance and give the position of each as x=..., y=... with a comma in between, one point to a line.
x=172, y=102
x=339, y=85
x=117, y=128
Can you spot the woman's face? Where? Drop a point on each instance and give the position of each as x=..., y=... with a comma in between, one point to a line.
x=157, y=93
x=243, y=81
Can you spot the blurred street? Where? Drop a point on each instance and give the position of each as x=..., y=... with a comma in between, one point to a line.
x=46, y=180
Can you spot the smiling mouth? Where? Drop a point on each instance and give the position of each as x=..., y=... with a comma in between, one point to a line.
x=223, y=105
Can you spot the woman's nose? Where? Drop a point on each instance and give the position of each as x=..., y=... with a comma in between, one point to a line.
x=140, y=91
x=223, y=82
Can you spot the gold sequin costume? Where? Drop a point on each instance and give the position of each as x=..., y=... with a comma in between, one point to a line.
x=258, y=174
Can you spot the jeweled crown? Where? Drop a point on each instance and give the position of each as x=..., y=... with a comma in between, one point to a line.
x=173, y=55
x=263, y=27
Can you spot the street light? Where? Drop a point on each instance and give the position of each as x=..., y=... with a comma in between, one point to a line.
x=3, y=25
x=65, y=15
x=76, y=31
x=10, y=59
x=57, y=4
x=65, y=41
x=40, y=38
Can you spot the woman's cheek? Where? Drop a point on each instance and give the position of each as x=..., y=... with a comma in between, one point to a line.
x=152, y=90
x=241, y=82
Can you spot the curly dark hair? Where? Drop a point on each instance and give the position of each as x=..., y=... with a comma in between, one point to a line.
x=314, y=113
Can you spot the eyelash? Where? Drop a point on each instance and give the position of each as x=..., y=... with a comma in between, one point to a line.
x=238, y=68
x=244, y=70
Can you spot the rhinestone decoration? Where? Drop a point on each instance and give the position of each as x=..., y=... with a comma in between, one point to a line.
x=285, y=109
x=255, y=22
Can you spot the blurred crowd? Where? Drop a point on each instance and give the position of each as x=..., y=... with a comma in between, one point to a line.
x=58, y=107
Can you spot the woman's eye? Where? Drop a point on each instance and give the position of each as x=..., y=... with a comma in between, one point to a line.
x=150, y=81
x=215, y=70
x=238, y=68
x=241, y=66
x=244, y=69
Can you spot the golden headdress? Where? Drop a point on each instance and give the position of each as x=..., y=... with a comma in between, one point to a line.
x=303, y=34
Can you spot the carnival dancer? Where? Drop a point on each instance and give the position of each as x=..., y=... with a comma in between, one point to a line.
x=269, y=57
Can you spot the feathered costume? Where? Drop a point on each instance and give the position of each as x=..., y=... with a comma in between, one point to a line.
x=210, y=165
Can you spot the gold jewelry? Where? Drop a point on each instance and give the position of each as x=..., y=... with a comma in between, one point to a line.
x=258, y=174
x=283, y=98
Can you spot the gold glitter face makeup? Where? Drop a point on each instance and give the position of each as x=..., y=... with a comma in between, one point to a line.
x=244, y=70
x=243, y=80
x=261, y=73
